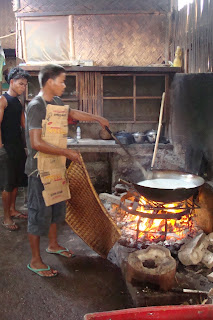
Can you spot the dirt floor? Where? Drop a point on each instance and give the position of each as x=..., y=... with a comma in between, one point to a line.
x=86, y=283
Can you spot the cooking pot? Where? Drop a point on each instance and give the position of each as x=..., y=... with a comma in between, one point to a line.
x=104, y=134
x=139, y=137
x=151, y=135
x=190, y=184
x=125, y=137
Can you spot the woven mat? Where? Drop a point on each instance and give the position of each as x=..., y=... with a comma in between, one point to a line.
x=86, y=215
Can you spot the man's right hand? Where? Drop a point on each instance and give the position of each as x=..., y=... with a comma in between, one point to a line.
x=72, y=155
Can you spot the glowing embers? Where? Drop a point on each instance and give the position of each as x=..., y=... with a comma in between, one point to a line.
x=145, y=221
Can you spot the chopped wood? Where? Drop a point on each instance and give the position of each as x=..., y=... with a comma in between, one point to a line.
x=192, y=252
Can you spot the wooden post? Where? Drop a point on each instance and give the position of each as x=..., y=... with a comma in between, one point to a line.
x=24, y=44
x=159, y=130
x=71, y=36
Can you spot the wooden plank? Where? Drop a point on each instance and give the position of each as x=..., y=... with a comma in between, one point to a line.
x=20, y=41
x=125, y=69
x=92, y=83
x=82, y=92
x=87, y=85
x=134, y=98
x=71, y=37
x=95, y=94
x=102, y=99
x=166, y=116
x=99, y=94
x=24, y=46
x=89, y=88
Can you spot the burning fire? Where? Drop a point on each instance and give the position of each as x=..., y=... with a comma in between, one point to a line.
x=157, y=229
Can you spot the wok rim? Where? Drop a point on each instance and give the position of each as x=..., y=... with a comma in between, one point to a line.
x=182, y=174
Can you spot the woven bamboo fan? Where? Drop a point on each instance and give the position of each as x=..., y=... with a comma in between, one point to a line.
x=86, y=215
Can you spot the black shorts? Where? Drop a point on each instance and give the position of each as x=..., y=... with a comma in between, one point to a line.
x=12, y=169
x=41, y=217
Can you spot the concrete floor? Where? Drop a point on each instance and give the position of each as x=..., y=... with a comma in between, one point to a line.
x=86, y=283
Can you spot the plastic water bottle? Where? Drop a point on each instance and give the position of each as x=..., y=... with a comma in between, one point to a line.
x=78, y=133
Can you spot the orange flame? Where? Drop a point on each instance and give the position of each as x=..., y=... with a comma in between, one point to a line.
x=156, y=229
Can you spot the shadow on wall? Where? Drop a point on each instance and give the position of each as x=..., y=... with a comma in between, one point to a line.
x=191, y=121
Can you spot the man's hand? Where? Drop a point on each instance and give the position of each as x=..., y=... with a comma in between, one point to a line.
x=39, y=144
x=72, y=155
x=103, y=122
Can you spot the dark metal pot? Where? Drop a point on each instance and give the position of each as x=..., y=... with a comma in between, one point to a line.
x=124, y=137
x=169, y=195
x=139, y=137
x=151, y=135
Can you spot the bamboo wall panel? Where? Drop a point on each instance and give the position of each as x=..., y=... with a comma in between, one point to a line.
x=109, y=40
x=92, y=6
x=90, y=92
x=192, y=30
x=8, y=24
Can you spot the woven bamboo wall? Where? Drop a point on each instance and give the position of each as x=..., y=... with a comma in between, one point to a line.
x=133, y=33
x=7, y=24
x=192, y=30
x=108, y=40
x=91, y=6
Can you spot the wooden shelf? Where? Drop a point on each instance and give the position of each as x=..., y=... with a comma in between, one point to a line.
x=116, y=69
x=141, y=105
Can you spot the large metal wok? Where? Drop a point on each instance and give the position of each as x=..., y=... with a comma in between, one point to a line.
x=169, y=195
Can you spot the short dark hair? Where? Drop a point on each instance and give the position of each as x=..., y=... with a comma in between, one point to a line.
x=50, y=71
x=17, y=73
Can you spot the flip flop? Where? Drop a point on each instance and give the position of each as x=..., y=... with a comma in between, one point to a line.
x=60, y=252
x=39, y=270
x=20, y=216
x=9, y=226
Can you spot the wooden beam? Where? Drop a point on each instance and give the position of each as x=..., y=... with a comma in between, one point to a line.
x=71, y=37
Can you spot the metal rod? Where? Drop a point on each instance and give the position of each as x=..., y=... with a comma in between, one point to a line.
x=165, y=228
x=118, y=141
x=176, y=216
x=137, y=233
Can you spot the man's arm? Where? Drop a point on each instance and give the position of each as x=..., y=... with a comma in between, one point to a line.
x=23, y=120
x=39, y=144
x=84, y=116
x=3, y=105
